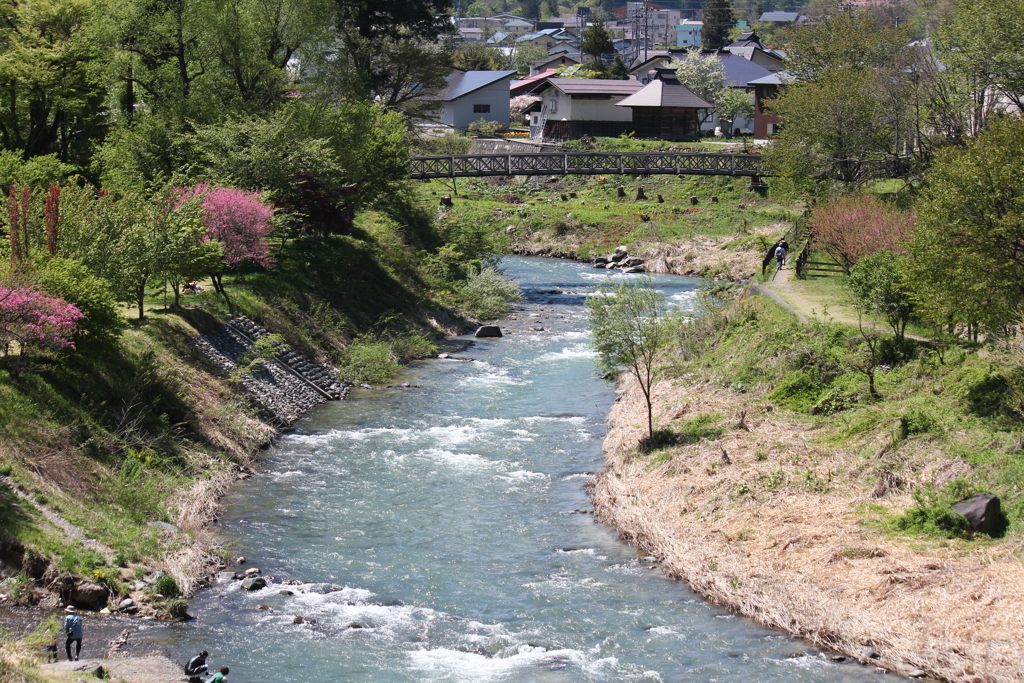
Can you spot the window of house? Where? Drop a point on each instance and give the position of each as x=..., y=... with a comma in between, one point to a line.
x=481, y=109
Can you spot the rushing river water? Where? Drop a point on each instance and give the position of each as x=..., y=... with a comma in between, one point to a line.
x=446, y=513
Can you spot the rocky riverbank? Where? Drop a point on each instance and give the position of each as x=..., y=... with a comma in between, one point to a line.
x=699, y=256
x=751, y=522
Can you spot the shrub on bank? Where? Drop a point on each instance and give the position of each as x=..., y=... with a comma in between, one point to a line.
x=488, y=294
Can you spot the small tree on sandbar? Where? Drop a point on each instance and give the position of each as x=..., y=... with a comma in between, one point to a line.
x=629, y=327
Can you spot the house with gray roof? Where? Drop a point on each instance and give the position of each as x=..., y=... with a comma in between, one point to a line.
x=666, y=109
x=474, y=95
x=555, y=61
x=750, y=47
x=574, y=107
x=783, y=18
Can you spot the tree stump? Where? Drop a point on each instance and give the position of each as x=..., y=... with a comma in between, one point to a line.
x=620, y=192
x=661, y=200
x=640, y=194
x=564, y=198
x=644, y=217
x=446, y=200
x=693, y=200
x=714, y=200
x=572, y=195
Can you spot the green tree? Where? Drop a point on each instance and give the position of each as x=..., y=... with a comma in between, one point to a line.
x=968, y=249
x=473, y=56
x=72, y=281
x=161, y=52
x=389, y=19
x=131, y=241
x=973, y=45
x=597, y=41
x=732, y=104
x=629, y=327
x=52, y=101
x=523, y=56
x=880, y=286
x=848, y=111
x=618, y=70
x=719, y=19
x=403, y=73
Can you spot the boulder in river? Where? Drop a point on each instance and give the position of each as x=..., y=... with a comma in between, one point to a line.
x=488, y=331
x=322, y=588
x=982, y=510
x=254, y=584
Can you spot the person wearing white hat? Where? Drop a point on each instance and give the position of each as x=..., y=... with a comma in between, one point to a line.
x=73, y=631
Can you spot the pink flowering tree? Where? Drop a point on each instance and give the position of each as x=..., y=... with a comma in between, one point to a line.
x=241, y=222
x=33, y=322
x=850, y=228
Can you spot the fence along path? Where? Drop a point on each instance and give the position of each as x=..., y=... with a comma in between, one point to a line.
x=586, y=163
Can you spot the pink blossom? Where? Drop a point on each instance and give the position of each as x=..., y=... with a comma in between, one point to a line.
x=850, y=228
x=240, y=221
x=33, y=319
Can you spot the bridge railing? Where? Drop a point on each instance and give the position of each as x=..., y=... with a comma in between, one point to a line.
x=585, y=163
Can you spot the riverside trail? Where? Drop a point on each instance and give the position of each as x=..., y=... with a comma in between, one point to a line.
x=440, y=531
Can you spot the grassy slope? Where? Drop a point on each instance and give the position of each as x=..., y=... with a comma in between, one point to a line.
x=596, y=221
x=786, y=497
x=111, y=439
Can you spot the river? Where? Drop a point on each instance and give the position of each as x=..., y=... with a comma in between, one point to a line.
x=448, y=514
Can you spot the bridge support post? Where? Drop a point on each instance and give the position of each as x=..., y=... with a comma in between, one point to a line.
x=758, y=185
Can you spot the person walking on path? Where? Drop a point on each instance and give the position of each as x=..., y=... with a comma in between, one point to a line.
x=197, y=665
x=218, y=677
x=780, y=254
x=73, y=631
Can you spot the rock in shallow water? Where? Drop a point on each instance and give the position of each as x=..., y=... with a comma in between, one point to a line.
x=254, y=584
x=488, y=331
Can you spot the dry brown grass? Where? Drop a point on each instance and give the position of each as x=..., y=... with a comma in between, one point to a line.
x=193, y=513
x=800, y=559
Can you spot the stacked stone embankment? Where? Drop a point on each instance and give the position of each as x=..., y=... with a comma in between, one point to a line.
x=284, y=385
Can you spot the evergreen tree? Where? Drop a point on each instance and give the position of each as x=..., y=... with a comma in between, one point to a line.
x=531, y=9
x=597, y=41
x=618, y=70
x=553, y=7
x=718, y=21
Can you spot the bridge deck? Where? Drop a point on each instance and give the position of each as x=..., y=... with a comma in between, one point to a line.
x=586, y=163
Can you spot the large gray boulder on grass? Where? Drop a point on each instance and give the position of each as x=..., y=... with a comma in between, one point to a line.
x=982, y=510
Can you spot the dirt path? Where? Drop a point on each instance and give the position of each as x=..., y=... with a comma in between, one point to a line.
x=821, y=301
x=814, y=304
x=67, y=527
x=152, y=669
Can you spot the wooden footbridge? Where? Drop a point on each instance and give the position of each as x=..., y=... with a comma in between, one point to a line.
x=587, y=163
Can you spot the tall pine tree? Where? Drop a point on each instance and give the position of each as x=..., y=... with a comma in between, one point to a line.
x=718, y=21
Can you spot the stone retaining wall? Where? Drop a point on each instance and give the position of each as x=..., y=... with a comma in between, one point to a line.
x=286, y=387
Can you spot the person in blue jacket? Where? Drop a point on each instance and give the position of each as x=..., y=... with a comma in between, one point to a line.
x=73, y=631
